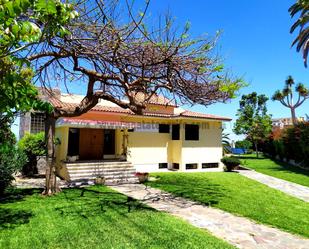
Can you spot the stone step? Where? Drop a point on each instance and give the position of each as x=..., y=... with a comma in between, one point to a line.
x=85, y=174
x=78, y=164
x=102, y=171
x=107, y=178
x=111, y=167
x=113, y=172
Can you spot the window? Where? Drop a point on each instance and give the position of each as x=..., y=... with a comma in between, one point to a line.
x=130, y=130
x=176, y=132
x=191, y=166
x=162, y=165
x=175, y=165
x=210, y=165
x=37, y=122
x=191, y=132
x=164, y=128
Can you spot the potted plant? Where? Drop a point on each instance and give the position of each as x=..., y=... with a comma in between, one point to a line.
x=100, y=180
x=230, y=163
x=142, y=176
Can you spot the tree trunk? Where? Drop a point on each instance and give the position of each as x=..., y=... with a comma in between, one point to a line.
x=256, y=149
x=294, y=120
x=51, y=186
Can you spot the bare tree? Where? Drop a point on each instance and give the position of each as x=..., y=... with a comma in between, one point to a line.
x=286, y=96
x=115, y=57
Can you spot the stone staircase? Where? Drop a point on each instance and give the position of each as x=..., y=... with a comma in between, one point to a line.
x=114, y=172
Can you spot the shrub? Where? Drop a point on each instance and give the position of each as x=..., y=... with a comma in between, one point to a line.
x=230, y=163
x=12, y=160
x=33, y=145
x=279, y=148
x=293, y=143
x=296, y=142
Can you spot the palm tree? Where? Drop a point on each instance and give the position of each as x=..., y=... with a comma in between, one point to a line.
x=286, y=96
x=302, y=39
x=226, y=143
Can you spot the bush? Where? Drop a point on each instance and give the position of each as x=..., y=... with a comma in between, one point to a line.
x=279, y=148
x=12, y=160
x=33, y=145
x=296, y=143
x=292, y=144
x=230, y=163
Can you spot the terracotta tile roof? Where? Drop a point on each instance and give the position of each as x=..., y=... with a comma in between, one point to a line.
x=59, y=104
x=203, y=115
x=110, y=109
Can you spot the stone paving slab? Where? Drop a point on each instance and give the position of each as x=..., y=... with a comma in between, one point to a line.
x=290, y=188
x=238, y=231
x=27, y=182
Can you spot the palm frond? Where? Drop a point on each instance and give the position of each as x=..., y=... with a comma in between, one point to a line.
x=302, y=39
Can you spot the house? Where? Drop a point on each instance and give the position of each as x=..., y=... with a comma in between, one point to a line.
x=282, y=123
x=164, y=138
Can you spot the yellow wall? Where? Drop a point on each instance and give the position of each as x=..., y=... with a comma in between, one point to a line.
x=148, y=147
x=207, y=150
x=62, y=134
x=118, y=142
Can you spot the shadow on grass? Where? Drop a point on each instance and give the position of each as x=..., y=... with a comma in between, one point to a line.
x=11, y=218
x=289, y=168
x=87, y=202
x=16, y=195
x=280, y=166
x=201, y=190
x=250, y=157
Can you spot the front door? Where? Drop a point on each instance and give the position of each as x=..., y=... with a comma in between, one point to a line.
x=91, y=144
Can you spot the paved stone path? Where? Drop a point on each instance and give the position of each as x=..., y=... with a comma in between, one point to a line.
x=238, y=231
x=290, y=188
x=27, y=182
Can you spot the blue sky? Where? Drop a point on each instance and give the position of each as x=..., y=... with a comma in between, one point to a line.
x=255, y=44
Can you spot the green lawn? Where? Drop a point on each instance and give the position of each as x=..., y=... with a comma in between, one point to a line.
x=276, y=169
x=95, y=218
x=239, y=195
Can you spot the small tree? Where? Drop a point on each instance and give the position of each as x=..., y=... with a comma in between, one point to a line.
x=253, y=120
x=286, y=96
x=245, y=144
x=33, y=145
x=11, y=158
x=226, y=145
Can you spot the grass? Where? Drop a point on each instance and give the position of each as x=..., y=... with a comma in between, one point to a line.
x=96, y=217
x=237, y=194
x=277, y=169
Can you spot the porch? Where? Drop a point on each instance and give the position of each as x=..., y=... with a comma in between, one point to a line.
x=91, y=140
x=89, y=150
